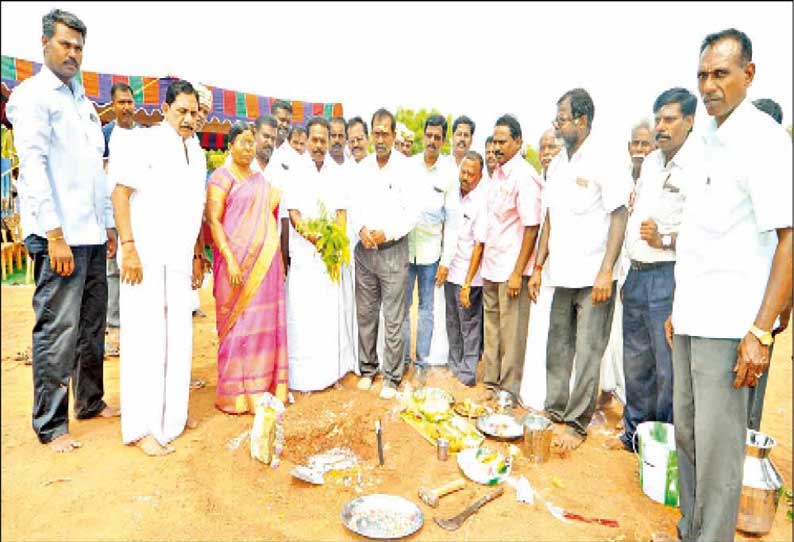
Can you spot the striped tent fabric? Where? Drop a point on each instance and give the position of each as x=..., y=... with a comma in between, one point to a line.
x=149, y=94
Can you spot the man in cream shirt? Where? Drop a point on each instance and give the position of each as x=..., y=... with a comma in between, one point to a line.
x=733, y=278
x=582, y=237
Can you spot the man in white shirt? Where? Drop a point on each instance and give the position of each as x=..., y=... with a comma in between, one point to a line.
x=279, y=168
x=66, y=213
x=505, y=244
x=640, y=145
x=319, y=327
x=297, y=139
x=432, y=243
x=123, y=106
x=490, y=156
x=384, y=211
x=733, y=279
x=582, y=237
x=357, y=138
x=462, y=134
x=648, y=289
x=464, y=324
x=152, y=172
x=338, y=131
x=265, y=134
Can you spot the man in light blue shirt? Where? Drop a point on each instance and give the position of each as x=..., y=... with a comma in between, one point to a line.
x=66, y=212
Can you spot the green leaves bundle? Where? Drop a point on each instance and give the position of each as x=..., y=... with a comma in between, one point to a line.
x=332, y=241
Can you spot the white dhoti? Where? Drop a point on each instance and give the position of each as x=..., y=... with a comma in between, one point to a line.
x=439, y=344
x=319, y=330
x=156, y=343
x=533, y=381
x=612, y=379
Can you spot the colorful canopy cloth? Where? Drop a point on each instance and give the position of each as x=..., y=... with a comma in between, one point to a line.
x=251, y=318
x=149, y=94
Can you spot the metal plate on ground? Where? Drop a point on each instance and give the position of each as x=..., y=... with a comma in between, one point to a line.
x=501, y=426
x=382, y=516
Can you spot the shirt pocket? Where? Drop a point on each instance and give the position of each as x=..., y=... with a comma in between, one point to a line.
x=584, y=195
x=724, y=205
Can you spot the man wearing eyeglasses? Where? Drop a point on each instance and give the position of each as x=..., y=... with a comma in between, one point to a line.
x=650, y=246
x=582, y=237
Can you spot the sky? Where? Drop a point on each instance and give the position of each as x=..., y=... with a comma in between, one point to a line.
x=475, y=58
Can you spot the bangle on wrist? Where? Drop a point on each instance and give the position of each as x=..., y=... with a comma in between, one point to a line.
x=55, y=238
x=128, y=241
x=538, y=267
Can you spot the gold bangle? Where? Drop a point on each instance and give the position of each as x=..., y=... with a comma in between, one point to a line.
x=55, y=238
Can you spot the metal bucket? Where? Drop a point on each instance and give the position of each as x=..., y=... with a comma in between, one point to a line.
x=538, y=432
x=761, y=486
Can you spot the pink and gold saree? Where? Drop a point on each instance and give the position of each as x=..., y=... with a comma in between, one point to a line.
x=251, y=319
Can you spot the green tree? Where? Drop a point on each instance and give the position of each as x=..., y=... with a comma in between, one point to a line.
x=531, y=155
x=415, y=121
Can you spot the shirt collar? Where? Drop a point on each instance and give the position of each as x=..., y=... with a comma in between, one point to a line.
x=479, y=189
x=52, y=81
x=507, y=169
x=582, y=150
x=734, y=126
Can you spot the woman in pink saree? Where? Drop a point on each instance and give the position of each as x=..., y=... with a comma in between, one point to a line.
x=248, y=280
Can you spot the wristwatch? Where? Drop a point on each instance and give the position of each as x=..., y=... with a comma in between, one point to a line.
x=667, y=241
x=764, y=337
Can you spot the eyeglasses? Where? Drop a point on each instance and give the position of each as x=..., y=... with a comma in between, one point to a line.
x=559, y=122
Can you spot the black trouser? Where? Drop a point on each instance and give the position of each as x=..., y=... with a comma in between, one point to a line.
x=68, y=337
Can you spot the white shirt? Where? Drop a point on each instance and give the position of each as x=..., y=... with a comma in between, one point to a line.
x=473, y=210
x=438, y=193
x=59, y=141
x=385, y=197
x=168, y=202
x=727, y=238
x=660, y=195
x=582, y=193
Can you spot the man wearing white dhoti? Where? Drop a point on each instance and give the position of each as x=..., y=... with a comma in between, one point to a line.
x=319, y=331
x=152, y=172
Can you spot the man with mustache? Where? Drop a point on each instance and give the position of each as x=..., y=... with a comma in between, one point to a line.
x=582, y=237
x=464, y=324
x=160, y=166
x=384, y=211
x=533, y=380
x=640, y=145
x=432, y=243
x=279, y=170
x=649, y=246
x=357, y=138
x=462, y=134
x=66, y=215
x=732, y=281
x=266, y=130
x=123, y=107
x=338, y=130
x=490, y=156
x=505, y=244
x=320, y=357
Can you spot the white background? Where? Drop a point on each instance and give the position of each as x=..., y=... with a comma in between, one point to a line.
x=481, y=59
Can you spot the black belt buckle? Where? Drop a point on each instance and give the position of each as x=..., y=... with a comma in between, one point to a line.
x=647, y=266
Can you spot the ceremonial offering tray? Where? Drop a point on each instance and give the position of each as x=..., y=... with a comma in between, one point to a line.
x=470, y=409
x=433, y=403
x=382, y=516
x=484, y=465
x=501, y=426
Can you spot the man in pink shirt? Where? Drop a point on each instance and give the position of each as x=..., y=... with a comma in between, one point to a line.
x=504, y=243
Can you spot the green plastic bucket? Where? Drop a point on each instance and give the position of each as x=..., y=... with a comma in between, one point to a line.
x=658, y=461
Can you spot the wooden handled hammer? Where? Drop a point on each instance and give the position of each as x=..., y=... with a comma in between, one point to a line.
x=430, y=496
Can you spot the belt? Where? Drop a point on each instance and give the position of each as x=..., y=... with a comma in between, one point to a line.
x=647, y=266
x=387, y=244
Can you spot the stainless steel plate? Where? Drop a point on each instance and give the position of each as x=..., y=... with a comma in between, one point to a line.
x=500, y=426
x=382, y=516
